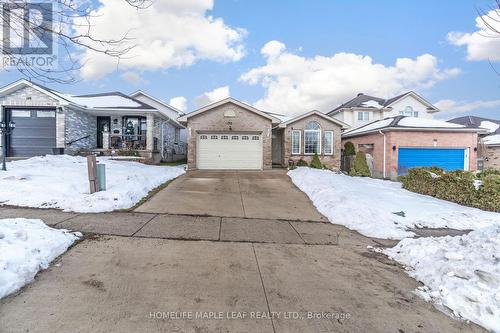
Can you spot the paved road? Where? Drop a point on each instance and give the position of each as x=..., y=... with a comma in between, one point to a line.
x=266, y=194
x=144, y=266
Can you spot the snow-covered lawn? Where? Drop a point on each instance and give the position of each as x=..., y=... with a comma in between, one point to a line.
x=61, y=181
x=461, y=274
x=381, y=208
x=27, y=246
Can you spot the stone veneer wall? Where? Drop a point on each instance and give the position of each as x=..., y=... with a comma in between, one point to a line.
x=78, y=125
x=244, y=121
x=331, y=161
x=491, y=156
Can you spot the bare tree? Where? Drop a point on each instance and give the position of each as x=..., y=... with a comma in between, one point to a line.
x=69, y=25
x=491, y=21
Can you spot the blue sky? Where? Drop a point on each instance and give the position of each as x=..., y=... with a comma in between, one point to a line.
x=303, y=30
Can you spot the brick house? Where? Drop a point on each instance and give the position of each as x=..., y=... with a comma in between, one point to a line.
x=230, y=134
x=50, y=122
x=396, y=144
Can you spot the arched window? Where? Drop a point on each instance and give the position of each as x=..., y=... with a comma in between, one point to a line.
x=312, y=138
x=408, y=112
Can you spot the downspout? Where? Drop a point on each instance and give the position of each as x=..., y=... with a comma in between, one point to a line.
x=383, y=134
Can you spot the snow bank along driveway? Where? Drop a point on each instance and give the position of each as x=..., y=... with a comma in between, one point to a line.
x=461, y=274
x=381, y=208
x=61, y=181
x=27, y=246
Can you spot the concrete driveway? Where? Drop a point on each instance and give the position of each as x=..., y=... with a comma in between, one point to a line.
x=266, y=194
x=130, y=284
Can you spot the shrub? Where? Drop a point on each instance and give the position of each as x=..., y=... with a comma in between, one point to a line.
x=487, y=172
x=128, y=152
x=302, y=163
x=456, y=186
x=360, y=167
x=349, y=149
x=488, y=195
x=316, y=163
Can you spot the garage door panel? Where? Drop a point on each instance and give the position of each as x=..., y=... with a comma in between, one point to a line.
x=448, y=159
x=33, y=135
x=231, y=153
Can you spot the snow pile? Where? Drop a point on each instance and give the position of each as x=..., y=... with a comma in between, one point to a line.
x=381, y=208
x=492, y=139
x=372, y=126
x=460, y=273
x=102, y=101
x=27, y=246
x=61, y=181
x=371, y=104
x=428, y=123
x=489, y=125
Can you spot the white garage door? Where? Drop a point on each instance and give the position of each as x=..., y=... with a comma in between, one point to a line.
x=229, y=151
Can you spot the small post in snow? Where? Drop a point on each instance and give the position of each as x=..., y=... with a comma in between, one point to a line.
x=92, y=169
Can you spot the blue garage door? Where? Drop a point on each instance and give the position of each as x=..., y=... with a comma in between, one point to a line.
x=445, y=158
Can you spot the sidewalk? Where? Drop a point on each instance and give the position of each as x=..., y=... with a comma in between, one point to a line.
x=186, y=227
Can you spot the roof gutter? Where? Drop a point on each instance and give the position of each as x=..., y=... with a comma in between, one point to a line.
x=383, y=134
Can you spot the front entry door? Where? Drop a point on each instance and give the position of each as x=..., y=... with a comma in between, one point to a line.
x=277, y=144
x=103, y=124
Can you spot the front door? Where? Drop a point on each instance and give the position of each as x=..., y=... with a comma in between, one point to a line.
x=277, y=144
x=103, y=125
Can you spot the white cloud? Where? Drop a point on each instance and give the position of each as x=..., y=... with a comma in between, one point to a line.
x=450, y=107
x=133, y=78
x=297, y=84
x=179, y=102
x=482, y=44
x=172, y=33
x=212, y=96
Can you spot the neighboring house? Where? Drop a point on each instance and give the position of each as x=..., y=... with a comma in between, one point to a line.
x=399, y=143
x=175, y=143
x=488, y=142
x=364, y=109
x=50, y=122
x=230, y=134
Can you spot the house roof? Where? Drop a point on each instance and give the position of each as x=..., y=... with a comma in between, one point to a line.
x=491, y=125
x=313, y=112
x=140, y=92
x=108, y=100
x=103, y=101
x=408, y=124
x=371, y=102
x=491, y=140
x=274, y=119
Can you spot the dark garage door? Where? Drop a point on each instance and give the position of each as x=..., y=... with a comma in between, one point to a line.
x=35, y=132
x=448, y=159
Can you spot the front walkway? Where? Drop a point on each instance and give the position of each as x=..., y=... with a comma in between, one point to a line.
x=266, y=194
x=230, y=271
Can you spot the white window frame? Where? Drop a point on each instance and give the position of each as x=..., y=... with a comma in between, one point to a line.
x=300, y=141
x=177, y=135
x=21, y=113
x=325, y=133
x=363, y=113
x=318, y=131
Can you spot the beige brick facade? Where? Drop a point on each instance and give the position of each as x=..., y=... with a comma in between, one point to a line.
x=331, y=161
x=243, y=121
x=398, y=139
